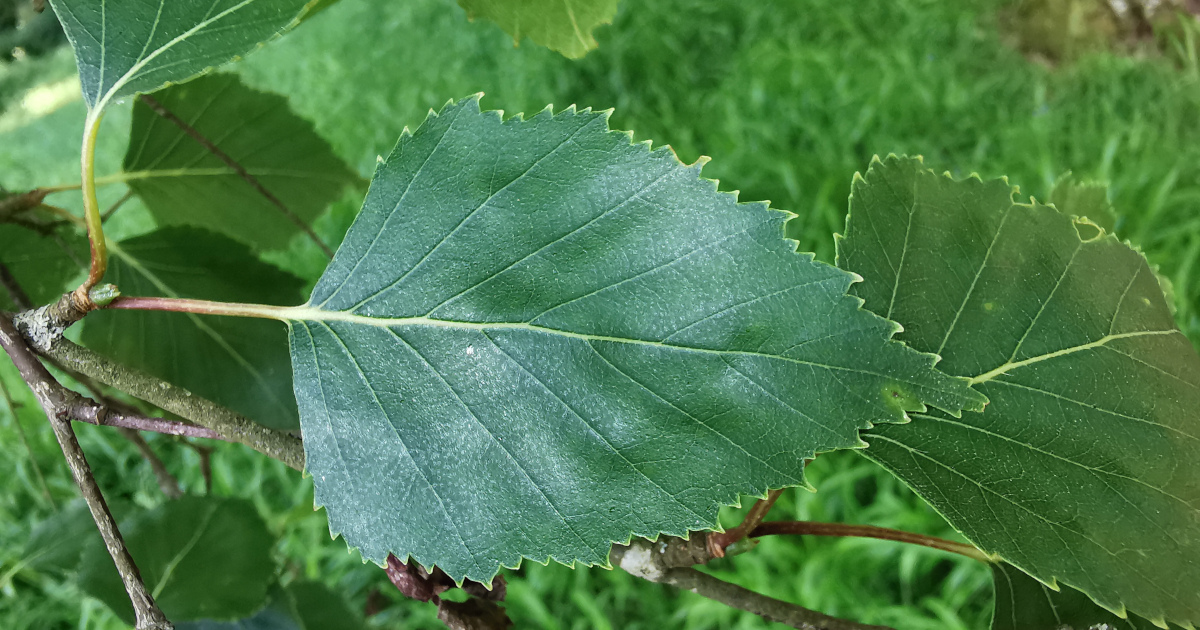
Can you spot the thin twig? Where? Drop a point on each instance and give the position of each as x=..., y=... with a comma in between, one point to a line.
x=242, y=172
x=480, y=612
x=166, y=481
x=645, y=560
x=205, y=453
x=16, y=204
x=60, y=212
x=116, y=206
x=230, y=425
x=57, y=401
x=115, y=413
x=94, y=413
x=718, y=542
x=809, y=528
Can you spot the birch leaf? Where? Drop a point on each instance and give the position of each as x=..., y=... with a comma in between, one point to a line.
x=1085, y=465
x=201, y=558
x=538, y=339
x=562, y=25
x=184, y=182
x=126, y=47
x=1023, y=603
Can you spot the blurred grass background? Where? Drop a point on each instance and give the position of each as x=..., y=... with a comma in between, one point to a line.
x=790, y=98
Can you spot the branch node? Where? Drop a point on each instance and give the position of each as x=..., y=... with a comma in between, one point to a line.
x=45, y=325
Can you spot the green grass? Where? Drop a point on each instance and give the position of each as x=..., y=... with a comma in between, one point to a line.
x=790, y=98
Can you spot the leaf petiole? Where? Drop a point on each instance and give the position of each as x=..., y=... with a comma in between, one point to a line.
x=811, y=528
x=91, y=209
x=202, y=307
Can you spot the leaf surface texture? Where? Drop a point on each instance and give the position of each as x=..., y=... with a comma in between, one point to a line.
x=538, y=339
x=1085, y=465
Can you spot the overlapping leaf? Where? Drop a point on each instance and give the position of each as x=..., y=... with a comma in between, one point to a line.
x=539, y=338
x=183, y=181
x=201, y=558
x=56, y=544
x=241, y=363
x=1085, y=465
x=1023, y=603
x=562, y=25
x=128, y=47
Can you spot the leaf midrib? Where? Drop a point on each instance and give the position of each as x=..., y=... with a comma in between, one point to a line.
x=312, y=314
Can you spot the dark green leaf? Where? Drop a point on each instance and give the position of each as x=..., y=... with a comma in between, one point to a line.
x=201, y=558
x=539, y=338
x=183, y=182
x=241, y=363
x=56, y=543
x=562, y=25
x=318, y=607
x=133, y=46
x=1023, y=603
x=1085, y=465
x=302, y=606
x=43, y=265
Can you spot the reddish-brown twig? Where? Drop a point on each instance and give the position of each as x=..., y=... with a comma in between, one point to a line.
x=809, y=528
x=719, y=542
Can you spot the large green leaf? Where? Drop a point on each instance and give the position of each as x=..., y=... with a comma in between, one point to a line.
x=1023, y=603
x=1085, y=465
x=184, y=182
x=539, y=338
x=124, y=47
x=562, y=25
x=201, y=558
x=241, y=363
x=43, y=265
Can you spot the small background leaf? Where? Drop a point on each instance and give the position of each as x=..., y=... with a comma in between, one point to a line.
x=123, y=48
x=183, y=182
x=1076, y=197
x=201, y=557
x=43, y=265
x=239, y=362
x=1084, y=465
x=539, y=338
x=562, y=25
